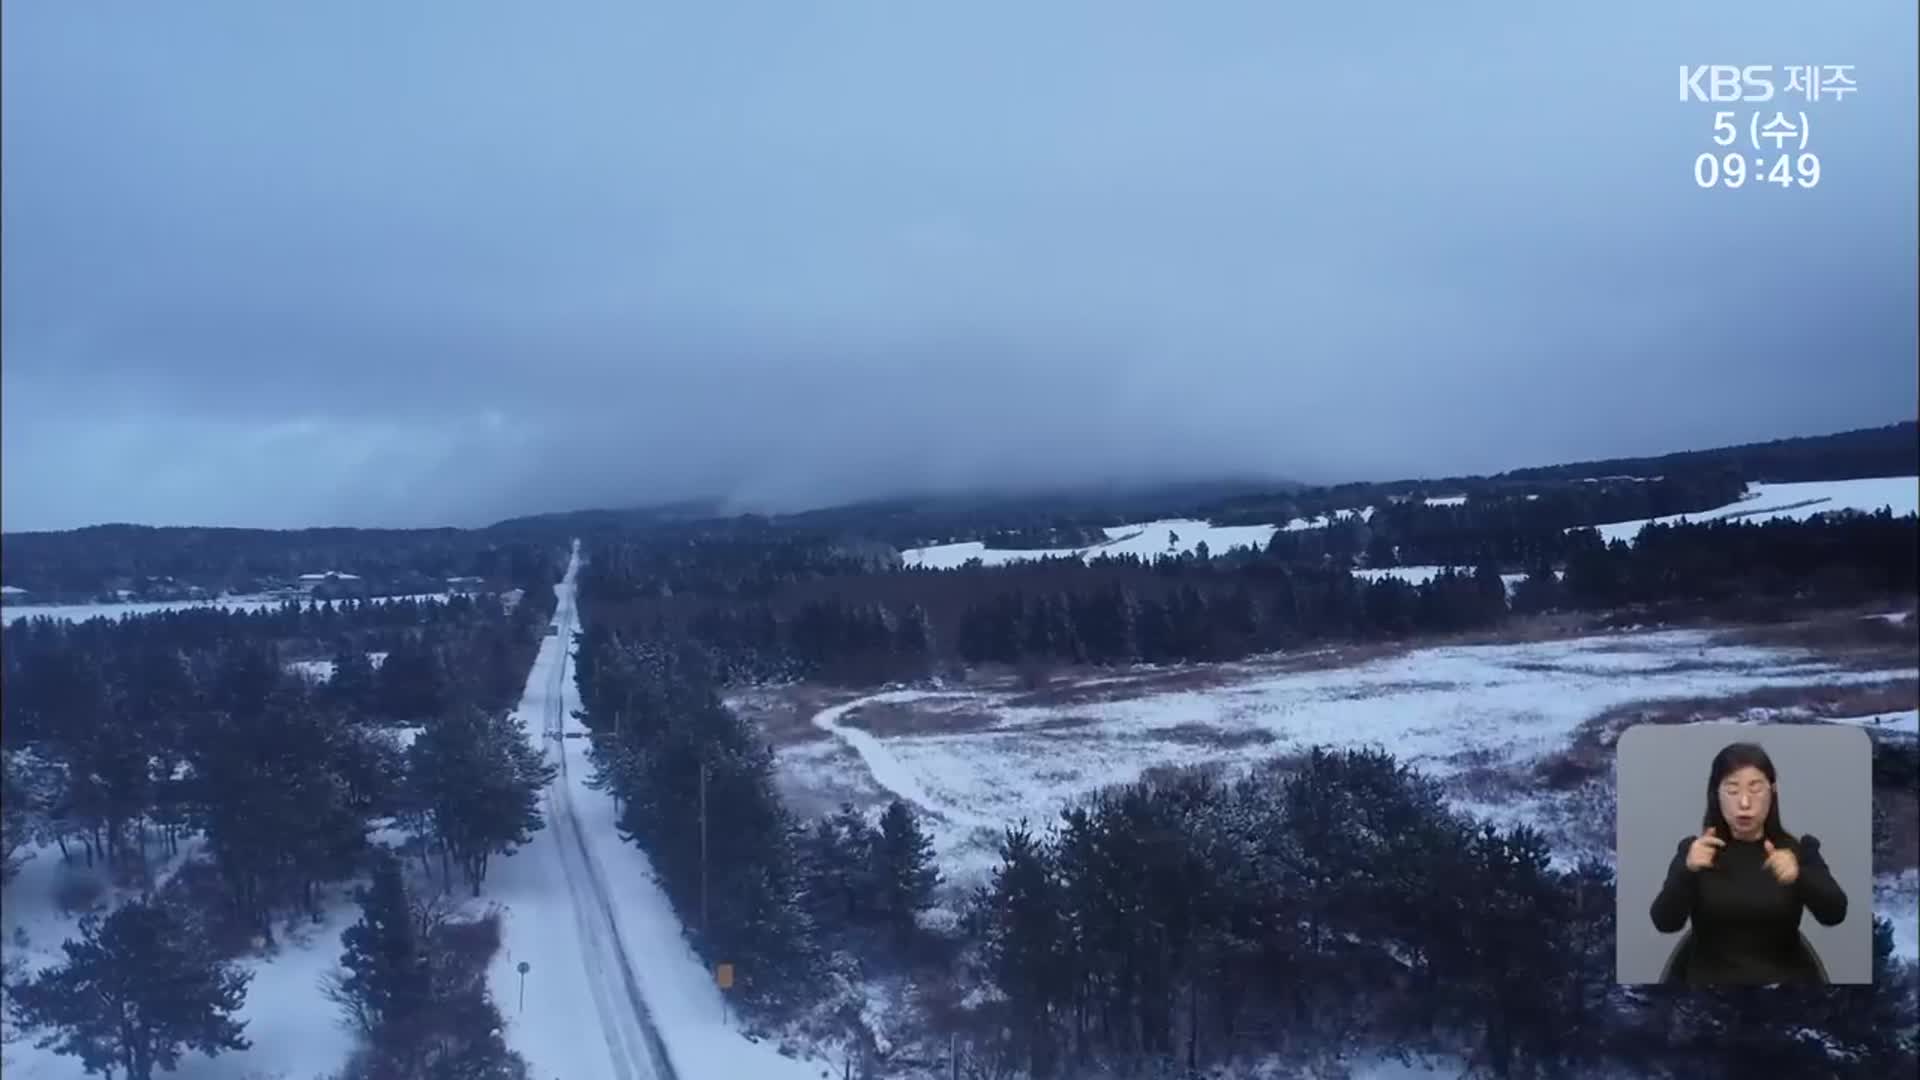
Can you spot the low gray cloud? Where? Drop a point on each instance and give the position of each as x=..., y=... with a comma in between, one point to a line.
x=357, y=265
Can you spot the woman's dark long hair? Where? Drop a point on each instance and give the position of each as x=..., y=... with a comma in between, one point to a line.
x=1738, y=756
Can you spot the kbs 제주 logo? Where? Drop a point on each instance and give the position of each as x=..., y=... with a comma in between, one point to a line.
x=1769, y=146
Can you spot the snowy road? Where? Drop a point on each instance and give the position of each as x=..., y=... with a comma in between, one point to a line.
x=578, y=1012
x=614, y=990
x=633, y=1043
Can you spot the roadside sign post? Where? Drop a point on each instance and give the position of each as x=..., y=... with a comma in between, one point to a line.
x=723, y=976
x=523, y=969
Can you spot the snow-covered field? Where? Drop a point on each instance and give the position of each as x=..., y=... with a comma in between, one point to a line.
x=1420, y=575
x=1769, y=502
x=322, y=670
x=1906, y=722
x=1147, y=540
x=1478, y=717
x=1321, y=521
x=13, y=613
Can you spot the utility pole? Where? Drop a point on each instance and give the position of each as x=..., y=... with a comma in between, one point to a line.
x=703, y=849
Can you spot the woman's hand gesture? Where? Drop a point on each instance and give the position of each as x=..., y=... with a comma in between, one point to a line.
x=1701, y=853
x=1784, y=866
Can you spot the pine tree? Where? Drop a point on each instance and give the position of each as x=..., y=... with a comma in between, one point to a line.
x=20, y=810
x=478, y=781
x=413, y=685
x=135, y=991
x=387, y=981
x=1026, y=939
x=1491, y=589
x=1540, y=591
x=838, y=854
x=903, y=867
x=266, y=789
x=354, y=680
x=1515, y=944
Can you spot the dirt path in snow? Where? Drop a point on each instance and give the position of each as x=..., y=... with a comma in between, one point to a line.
x=888, y=771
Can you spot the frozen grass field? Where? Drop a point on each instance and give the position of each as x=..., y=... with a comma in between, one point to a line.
x=1490, y=721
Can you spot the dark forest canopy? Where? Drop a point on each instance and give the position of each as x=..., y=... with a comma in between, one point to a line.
x=1893, y=450
x=196, y=721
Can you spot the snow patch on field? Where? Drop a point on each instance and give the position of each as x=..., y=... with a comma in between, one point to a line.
x=315, y=670
x=1321, y=521
x=1797, y=502
x=322, y=670
x=1146, y=540
x=1420, y=575
x=1902, y=723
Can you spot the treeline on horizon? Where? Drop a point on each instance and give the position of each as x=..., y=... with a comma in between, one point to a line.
x=1621, y=489
x=1180, y=923
x=796, y=608
x=84, y=565
x=1684, y=482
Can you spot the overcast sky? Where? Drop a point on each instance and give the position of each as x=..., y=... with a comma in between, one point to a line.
x=442, y=263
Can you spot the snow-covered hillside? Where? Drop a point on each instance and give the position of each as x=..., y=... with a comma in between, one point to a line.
x=1768, y=502
x=1762, y=502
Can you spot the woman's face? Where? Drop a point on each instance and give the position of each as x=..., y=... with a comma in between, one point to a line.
x=1745, y=795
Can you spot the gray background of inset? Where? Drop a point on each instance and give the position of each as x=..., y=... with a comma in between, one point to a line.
x=1825, y=788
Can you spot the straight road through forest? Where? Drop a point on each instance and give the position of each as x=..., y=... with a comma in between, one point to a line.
x=634, y=1047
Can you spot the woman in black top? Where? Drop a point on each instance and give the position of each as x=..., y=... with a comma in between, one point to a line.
x=1743, y=882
